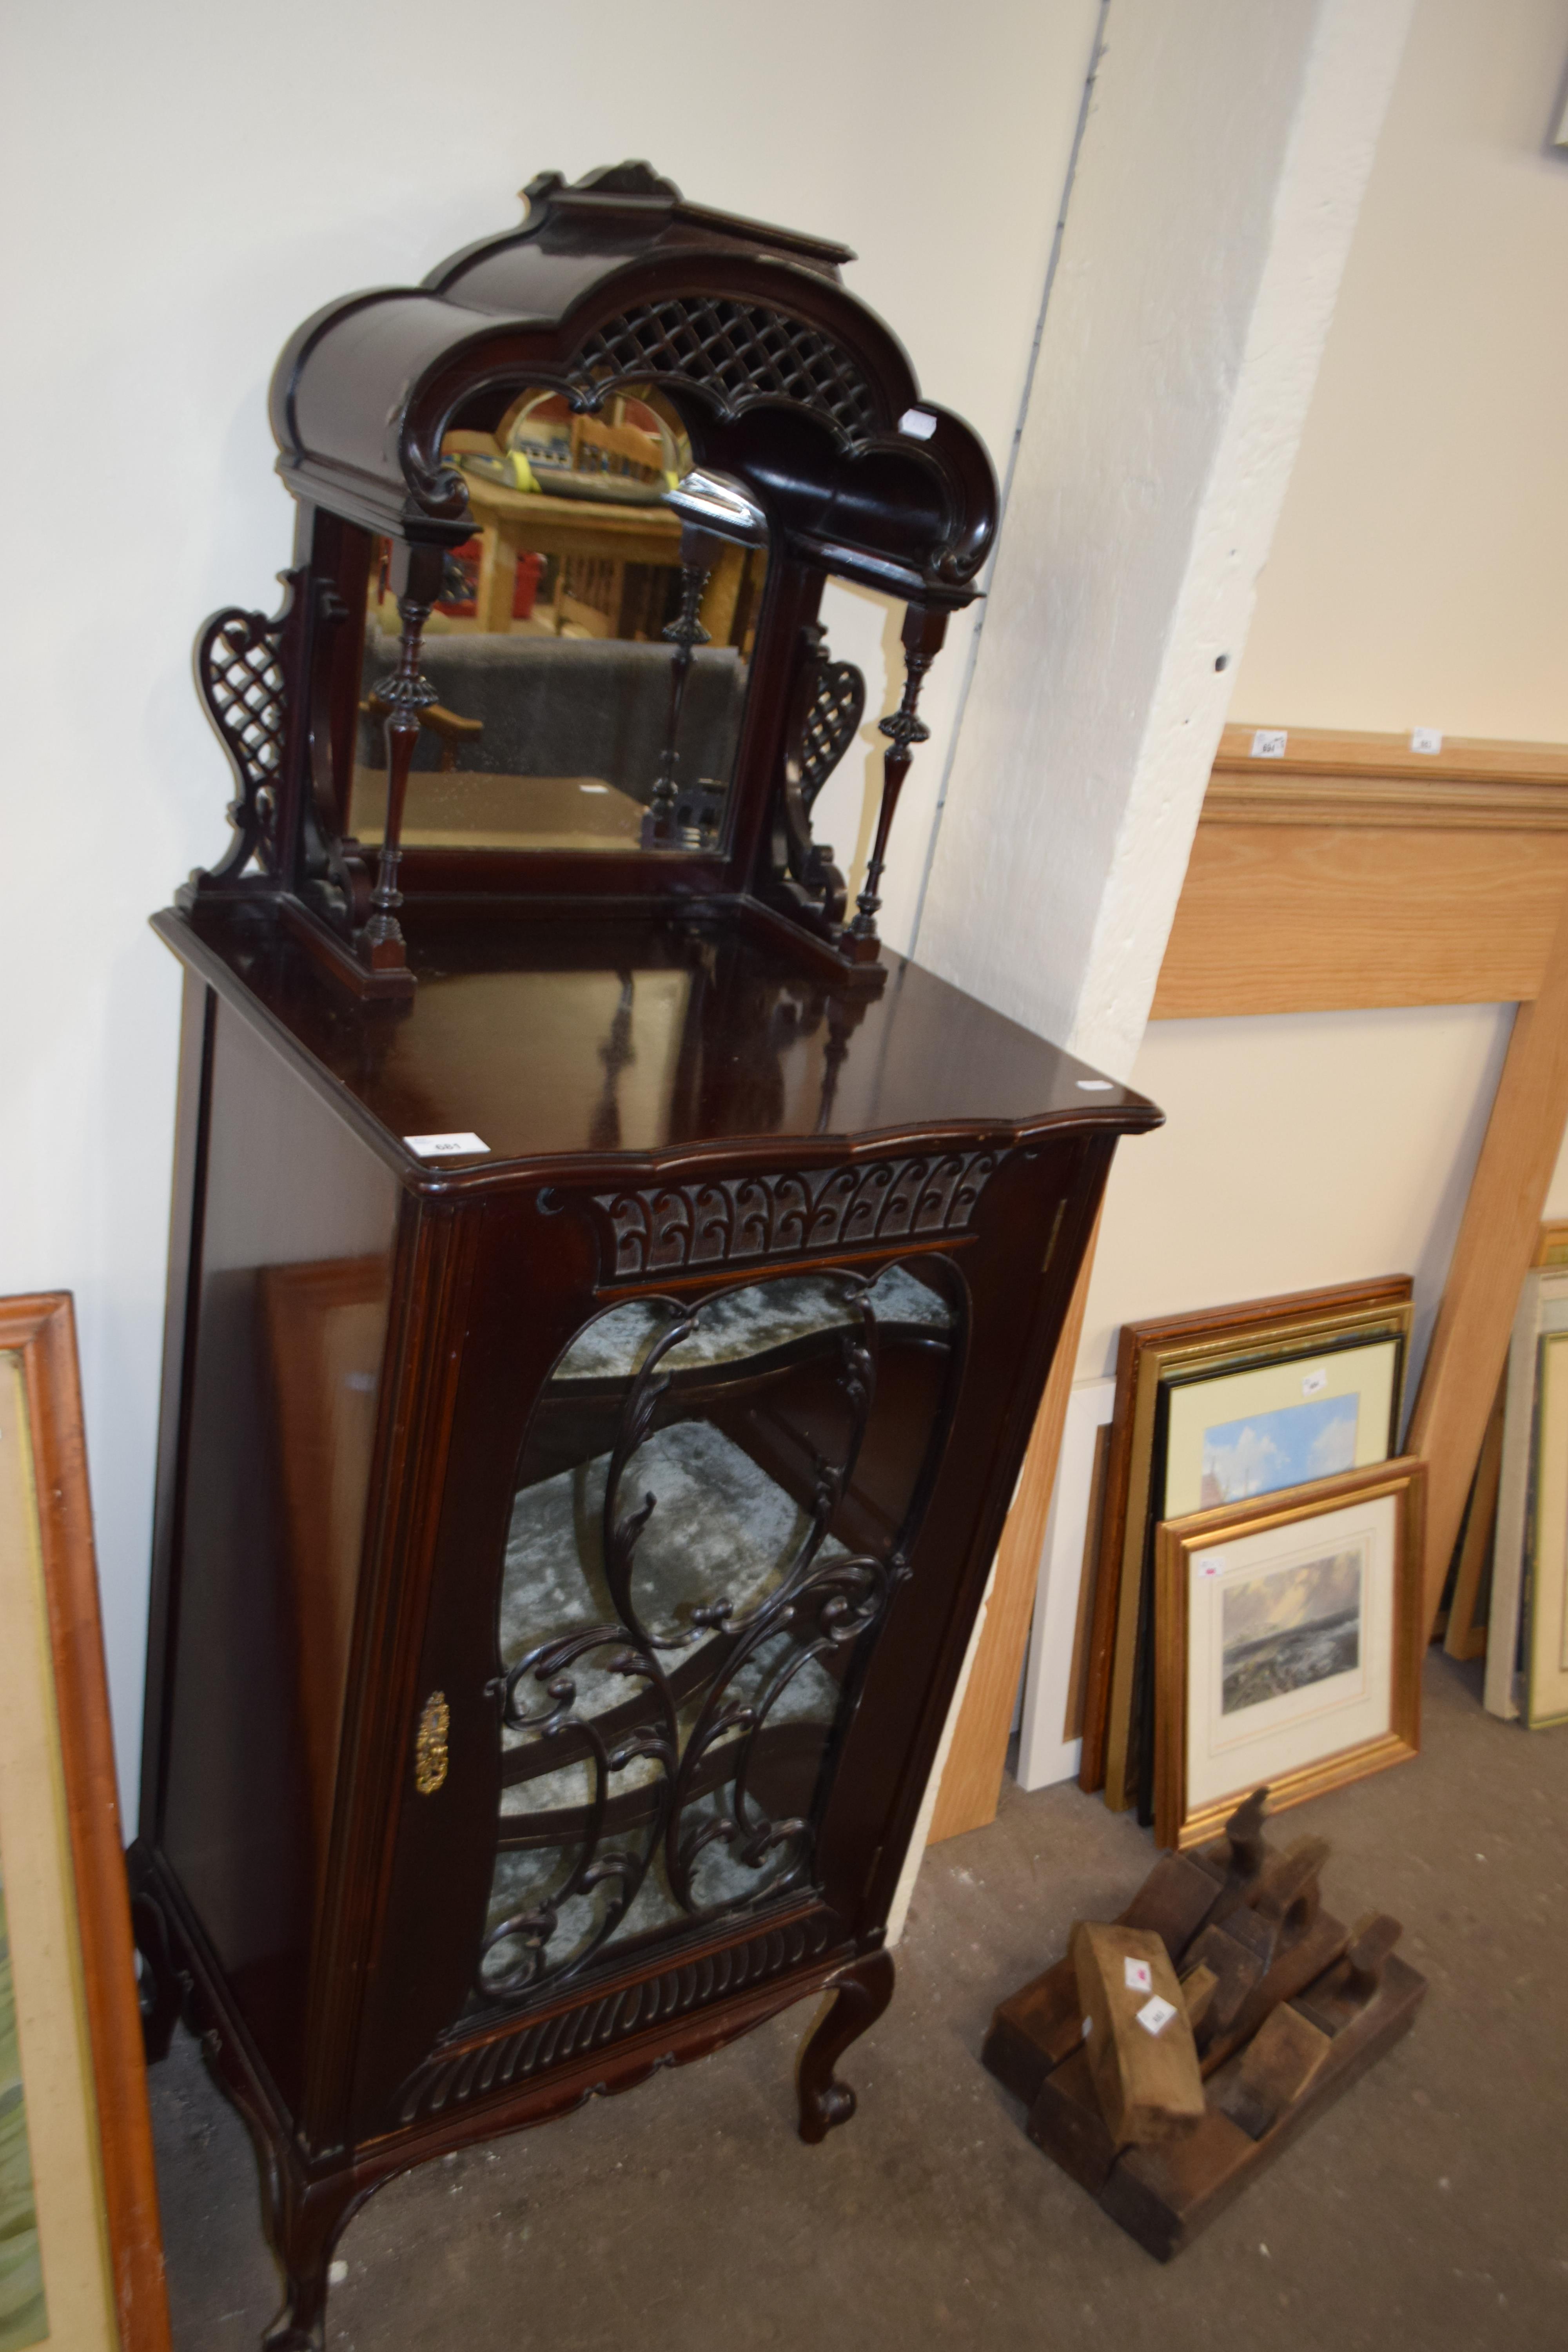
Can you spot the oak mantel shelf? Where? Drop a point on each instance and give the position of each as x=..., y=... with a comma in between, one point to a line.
x=1354, y=872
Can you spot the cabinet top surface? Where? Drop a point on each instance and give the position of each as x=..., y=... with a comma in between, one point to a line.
x=644, y=1037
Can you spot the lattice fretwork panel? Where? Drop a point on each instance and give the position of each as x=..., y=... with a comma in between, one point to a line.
x=831, y=725
x=246, y=687
x=739, y=351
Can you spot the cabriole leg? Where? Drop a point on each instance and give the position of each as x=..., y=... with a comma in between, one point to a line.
x=164, y=1987
x=860, y=1993
x=303, y=2227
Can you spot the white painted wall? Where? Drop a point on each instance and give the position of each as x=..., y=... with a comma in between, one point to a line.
x=1219, y=178
x=182, y=185
x=1417, y=577
x=1299, y=1149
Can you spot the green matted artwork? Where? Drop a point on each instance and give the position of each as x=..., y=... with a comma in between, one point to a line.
x=81, y=2265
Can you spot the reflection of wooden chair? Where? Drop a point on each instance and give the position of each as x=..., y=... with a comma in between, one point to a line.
x=614, y=561
x=447, y=726
x=603, y=595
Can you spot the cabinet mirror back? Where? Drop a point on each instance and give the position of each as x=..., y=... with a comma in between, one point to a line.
x=566, y=514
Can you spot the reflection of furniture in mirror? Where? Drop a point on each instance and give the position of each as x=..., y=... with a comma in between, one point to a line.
x=726, y=1255
x=590, y=541
x=545, y=711
x=449, y=729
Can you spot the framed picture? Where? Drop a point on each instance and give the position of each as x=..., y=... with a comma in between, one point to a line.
x=1469, y=1596
x=1546, y=1612
x=1050, y=1736
x=81, y=2266
x=1289, y=1640
x=1212, y=1409
x=1543, y=1313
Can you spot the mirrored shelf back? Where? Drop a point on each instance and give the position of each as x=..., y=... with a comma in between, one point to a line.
x=565, y=511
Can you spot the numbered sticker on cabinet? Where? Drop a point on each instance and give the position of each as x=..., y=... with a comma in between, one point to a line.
x=1268, y=742
x=445, y=1147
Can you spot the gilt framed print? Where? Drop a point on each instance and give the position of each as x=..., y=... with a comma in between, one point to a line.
x=1289, y=1636
x=1215, y=1408
x=81, y=2265
x=1546, y=1612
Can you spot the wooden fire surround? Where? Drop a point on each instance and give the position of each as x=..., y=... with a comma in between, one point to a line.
x=1349, y=874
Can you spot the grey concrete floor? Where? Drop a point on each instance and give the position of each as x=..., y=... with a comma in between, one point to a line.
x=1429, y=2208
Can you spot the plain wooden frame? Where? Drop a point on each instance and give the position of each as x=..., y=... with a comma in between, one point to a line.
x=1405, y=1480
x=1049, y=1739
x=1542, y=1310
x=1215, y=1339
x=42, y=1330
x=1545, y=1693
x=1465, y=1634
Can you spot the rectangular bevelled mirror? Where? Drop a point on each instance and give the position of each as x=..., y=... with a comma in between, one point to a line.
x=547, y=648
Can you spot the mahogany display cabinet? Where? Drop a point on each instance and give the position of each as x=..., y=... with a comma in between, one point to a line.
x=610, y=1293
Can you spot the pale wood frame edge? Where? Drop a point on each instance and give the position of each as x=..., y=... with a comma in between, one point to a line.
x=1176, y=1539
x=1533, y=1719
x=41, y=1329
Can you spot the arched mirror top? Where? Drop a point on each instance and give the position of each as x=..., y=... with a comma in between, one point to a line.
x=780, y=376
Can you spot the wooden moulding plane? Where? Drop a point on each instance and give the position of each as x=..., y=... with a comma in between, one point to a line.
x=1281, y=2007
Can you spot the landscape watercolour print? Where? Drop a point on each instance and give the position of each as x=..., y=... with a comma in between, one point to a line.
x=1291, y=1628
x=23, y=2320
x=1266, y=1451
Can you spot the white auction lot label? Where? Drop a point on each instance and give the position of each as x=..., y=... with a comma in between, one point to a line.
x=445, y=1147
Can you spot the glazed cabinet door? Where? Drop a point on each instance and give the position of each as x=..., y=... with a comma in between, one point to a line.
x=683, y=1518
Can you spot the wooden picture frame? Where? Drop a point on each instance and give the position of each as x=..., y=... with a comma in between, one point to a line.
x=1546, y=1572
x=87, y=2267
x=1050, y=1736
x=1469, y=1600
x=1153, y=1357
x=1303, y=1612
x=1542, y=1310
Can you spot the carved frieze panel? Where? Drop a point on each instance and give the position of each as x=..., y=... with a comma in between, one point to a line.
x=595, y=2022
x=657, y=1228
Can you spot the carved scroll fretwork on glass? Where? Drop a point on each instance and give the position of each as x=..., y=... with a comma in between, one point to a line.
x=717, y=1506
